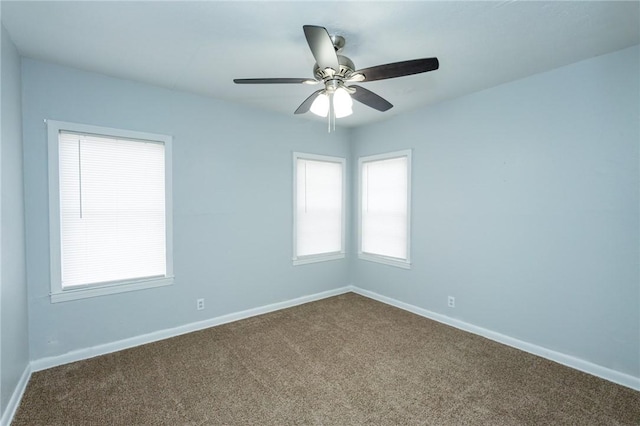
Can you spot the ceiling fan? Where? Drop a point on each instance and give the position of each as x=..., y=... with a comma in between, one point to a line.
x=335, y=71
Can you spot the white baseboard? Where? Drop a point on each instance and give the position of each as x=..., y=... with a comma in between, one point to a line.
x=16, y=397
x=567, y=360
x=86, y=353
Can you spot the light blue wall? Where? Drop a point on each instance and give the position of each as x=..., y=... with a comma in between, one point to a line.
x=526, y=209
x=232, y=206
x=14, y=349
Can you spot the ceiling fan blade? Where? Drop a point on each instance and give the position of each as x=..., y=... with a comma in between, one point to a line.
x=370, y=99
x=321, y=46
x=306, y=105
x=399, y=69
x=274, y=81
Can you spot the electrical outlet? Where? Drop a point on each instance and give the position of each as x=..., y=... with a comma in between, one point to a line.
x=451, y=302
x=200, y=304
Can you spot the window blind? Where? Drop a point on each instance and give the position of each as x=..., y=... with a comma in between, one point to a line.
x=319, y=207
x=384, y=210
x=112, y=209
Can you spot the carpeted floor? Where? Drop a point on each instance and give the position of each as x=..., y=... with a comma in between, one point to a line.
x=346, y=360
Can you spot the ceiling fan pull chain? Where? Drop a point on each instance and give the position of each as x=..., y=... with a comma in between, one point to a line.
x=331, y=115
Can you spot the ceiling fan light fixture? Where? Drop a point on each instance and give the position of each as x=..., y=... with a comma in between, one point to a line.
x=342, y=103
x=320, y=105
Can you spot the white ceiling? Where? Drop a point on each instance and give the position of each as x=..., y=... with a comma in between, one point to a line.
x=200, y=46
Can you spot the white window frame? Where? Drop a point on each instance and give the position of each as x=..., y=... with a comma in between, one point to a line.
x=372, y=257
x=322, y=257
x=58, y=294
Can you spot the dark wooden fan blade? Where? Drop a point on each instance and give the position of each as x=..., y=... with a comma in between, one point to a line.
x=321, y=47
x=399, y=69
x=370, y=99
x=272, y=80
x=306, y=105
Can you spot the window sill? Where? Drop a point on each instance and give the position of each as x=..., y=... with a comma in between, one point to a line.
x=391, y=261
x=103, y=290
x=315, y=258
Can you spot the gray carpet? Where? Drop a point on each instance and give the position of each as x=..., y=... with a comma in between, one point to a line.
x=346, y=360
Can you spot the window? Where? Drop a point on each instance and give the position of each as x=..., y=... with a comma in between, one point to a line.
x=110, y=210
x=318, y=208
x=384, y=208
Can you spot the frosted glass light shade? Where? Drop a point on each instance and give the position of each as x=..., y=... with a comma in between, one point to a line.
x=342, y=103
x=320, y=105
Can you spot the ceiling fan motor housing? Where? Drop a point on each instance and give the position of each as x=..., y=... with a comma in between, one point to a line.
x=346, y=69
